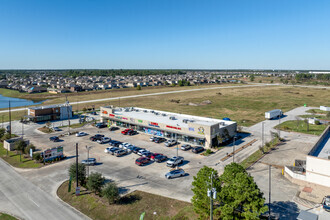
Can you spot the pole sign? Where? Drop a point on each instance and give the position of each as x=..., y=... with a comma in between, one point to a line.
x=31, y=152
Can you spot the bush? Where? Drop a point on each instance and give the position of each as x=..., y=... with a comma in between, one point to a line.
x=27, y=149
x=138, y=87
x=209, y=151
x=36, y=157
x=20, y=146
x=95, y=182
x=111, y=192
x=317, y=122
x=2, y=132
x=81, y=173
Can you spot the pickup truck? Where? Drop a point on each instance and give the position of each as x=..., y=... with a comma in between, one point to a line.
x=174, y=161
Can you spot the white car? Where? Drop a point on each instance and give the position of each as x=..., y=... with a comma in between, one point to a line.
x=81, y=133
x=175, y=173
x=143, y=151
x=107, y=150
x=104, y=140
x=123, y=145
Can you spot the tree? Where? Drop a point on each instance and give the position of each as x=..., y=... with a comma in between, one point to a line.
x=201, y=183
x=81, y=173
x=252, y=78
x=27, y=149
x=271, y=81
x=138, y=87
x=240, y=196
x=95, y=182
x=20, y=145
x=2, y=132
x=111, y=192
x=328, y=115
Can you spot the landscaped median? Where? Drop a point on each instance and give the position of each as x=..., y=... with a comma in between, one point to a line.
x=302, y=126
x=130, y=206
x=4, y=216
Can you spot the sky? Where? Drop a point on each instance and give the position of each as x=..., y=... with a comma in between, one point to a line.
x=165, y=34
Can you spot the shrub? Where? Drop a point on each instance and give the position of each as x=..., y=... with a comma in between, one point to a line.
x=27, y=149
x=209, y=151
x=81, y=173
x=36, y=157
x=111, y=192
x=95, y=182
x=317, y=122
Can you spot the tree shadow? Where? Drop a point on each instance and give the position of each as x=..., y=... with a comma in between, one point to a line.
x=129, y=199
x=283, y=210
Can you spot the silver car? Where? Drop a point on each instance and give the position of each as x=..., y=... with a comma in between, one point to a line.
x=119, y=153
x=175, y=173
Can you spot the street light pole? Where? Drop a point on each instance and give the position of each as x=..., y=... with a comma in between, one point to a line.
x=269, y=200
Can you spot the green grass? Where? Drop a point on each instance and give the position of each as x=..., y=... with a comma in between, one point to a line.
x=133, y=205
x=4, y=216
x=301, y=127
x=318, y=111
x=78, y=125
x=315, y=116
x=14, y=159
x=258, y=154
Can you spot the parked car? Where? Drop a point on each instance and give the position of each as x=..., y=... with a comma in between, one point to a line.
x=104, y=140
x=174, y=161
x=154, y=155
x=175, y=173
x=122, y=145
x=142, y=151
x=136, y=149
x=113, y=149
x=326, y=203
x=152, y=138
x=89, y=161
x=142, y=161
x=160, y=158
x=125, y=132
x=115, y=143
x=170, y=143
x=197, y=150
x=113, y=128
x=107, y=150
x=119, y=153
x=146, y=154
x=54, y=139
x=185, y=147
x=159, y=140
x=56, y=129
x=100, y=125
x=81, y=133
x=96, y=137
x=132, y=132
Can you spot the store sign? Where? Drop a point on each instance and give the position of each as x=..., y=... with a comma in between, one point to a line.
x=154, y=124
x=177, y=128
x=201, y=130
x=140, y=121
x=111, y=115
x=124, y=118
x=191, y=129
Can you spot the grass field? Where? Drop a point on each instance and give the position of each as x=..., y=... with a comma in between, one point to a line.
x=244, y=105
x=315, y=116
x=4, y=216
x=14, y=159
x=318, y=111
x=301, y=127
x=131, y=206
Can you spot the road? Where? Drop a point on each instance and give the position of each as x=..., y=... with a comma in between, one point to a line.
x=149, y=94
x=22, y=198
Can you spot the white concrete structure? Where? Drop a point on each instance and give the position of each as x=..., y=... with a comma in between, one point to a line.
x=325, y=108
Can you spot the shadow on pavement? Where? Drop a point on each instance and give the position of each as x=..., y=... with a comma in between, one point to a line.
x=284, y=210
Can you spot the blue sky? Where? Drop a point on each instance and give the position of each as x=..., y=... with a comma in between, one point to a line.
x=164, y=34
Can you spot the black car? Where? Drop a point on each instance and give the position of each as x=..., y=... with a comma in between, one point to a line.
x=100, y=125
x=113, y=128
x=197, y=150
x=112, y=150
x=54, y=139
x=131, y=132
x=160, y=158
x=136, y=149
x=116, y=143
x=159, y=140
x=96, y=137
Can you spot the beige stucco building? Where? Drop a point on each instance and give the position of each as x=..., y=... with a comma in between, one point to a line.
x=186, y=128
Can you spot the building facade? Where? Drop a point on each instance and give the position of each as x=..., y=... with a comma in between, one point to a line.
x=49, y=113
x=186, y=128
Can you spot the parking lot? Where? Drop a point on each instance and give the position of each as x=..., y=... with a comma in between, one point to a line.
x=150, y=177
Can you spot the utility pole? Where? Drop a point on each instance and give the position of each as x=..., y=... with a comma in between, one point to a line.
x=77, y=165
x=234, y=150
x=262, y=134
x=212, y=193
x=270, y=167
x=88, y=148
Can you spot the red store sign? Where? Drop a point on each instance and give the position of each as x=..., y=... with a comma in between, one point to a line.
x=153, y=123
x=111, y=115
x=177, y=128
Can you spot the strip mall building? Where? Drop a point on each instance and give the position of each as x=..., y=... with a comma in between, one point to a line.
x=186, y=128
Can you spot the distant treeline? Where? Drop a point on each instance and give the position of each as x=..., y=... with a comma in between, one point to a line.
x=308, y=76
x=76, y=73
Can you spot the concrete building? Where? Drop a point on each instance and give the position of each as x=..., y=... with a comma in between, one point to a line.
x=10, y=143
x=185, y=128
x=50, y=112
x=316, y=168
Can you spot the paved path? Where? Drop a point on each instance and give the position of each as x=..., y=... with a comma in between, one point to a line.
x=151, y=94
x=27, y=201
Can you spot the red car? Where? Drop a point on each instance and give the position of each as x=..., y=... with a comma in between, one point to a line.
x=142, y=161
x=154, y=155
x=124, y=132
